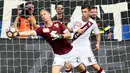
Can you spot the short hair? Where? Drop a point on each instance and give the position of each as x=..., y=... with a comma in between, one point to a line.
x=59, y=4
x=85, y=6
x=43, y=9
x=93, y=7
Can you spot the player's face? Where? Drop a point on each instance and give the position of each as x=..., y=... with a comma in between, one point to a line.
x=85, y=12
x=44, y=15
x=93, y=12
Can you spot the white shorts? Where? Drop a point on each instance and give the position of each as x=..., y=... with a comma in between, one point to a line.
x=88, y=59
x=72, y=57
x=85, y=53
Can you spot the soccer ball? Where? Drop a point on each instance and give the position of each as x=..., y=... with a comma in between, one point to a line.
x=11, y=32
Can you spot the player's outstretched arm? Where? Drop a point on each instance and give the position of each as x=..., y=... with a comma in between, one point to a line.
x=55, y=35
x=27, y=33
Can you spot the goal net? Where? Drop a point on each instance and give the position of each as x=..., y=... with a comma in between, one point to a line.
x=36, y=56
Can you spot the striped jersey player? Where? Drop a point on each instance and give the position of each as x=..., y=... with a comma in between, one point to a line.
x=82, y=28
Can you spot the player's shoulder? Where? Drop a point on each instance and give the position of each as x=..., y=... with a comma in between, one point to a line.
x=76, y=19
x=92, y=21
x=58, y=24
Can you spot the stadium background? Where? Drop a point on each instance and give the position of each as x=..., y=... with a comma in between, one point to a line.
x=35, y=56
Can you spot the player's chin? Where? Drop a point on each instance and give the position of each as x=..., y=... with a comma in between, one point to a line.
x=43, y=19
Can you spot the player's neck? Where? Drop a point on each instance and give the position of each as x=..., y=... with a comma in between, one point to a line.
x=48, y=23
x=94, y=18
x=85, y=19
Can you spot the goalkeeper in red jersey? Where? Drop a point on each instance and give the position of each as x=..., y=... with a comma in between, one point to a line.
x=56, y=34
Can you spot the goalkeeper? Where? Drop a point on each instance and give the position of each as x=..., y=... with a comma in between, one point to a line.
x=56, y=35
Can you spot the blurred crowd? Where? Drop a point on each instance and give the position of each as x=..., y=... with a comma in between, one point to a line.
x=25, y=20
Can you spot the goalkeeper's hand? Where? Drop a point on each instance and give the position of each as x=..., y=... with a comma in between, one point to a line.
x=56, y=36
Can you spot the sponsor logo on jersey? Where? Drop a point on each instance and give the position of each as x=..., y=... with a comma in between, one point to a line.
x=45, y=30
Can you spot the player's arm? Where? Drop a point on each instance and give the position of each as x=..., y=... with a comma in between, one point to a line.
x=27, y=33
x=36, y=32
x=16, y=22
x=79, y=30
x=98, y=37
x=66, y=34
x=70, y=26
x=72, y=29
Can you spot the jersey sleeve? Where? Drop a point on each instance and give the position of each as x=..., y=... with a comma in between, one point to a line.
x=63, y=28
x=96, y=29
x=39, y=31
x=70, y=24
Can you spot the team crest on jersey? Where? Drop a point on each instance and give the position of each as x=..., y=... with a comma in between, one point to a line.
x=56, y=25
x=45, y=30
x=78, y=24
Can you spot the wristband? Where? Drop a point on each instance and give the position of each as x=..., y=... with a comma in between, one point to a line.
x=61, y=36
x=75, y=30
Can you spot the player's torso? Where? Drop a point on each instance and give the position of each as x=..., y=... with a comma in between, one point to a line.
x=84, y=38
x=59, y=46
x=55, y=28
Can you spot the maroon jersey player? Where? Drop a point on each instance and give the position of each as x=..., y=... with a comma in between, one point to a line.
x=57, y=28
x=56, y=34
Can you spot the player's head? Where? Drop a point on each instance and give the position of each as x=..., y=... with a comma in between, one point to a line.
x=59, y=8
x=93, y=12
x=85, y=10
x=45, y=15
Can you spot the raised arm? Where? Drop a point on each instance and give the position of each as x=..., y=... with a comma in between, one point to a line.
x=27, y=33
